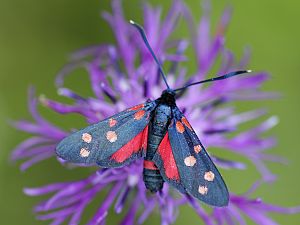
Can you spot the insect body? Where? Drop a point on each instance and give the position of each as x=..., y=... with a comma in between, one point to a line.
x=158, y=128
x=158, y=132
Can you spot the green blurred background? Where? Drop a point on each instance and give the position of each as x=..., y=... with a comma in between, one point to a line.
x=37, y=36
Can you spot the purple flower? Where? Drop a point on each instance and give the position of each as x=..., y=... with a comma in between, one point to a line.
x=123, y=75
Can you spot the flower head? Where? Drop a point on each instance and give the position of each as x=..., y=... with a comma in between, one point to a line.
x=123, y=75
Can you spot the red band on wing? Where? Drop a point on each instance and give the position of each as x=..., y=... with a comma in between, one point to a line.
x=166, y=154
x=136, y=107
x=150, y=165
x=138, y=143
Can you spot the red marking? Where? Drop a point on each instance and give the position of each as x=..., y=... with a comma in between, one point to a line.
x=150, y=165
x=179, y=127
x=166, y=154
x=139, y=115
x=138, y=143
x=136, y=107
x=112, y=122
x=186, y=123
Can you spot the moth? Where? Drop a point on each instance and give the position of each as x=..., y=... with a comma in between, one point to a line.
x=158, y=133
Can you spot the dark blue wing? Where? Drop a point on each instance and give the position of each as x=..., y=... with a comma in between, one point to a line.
x=113, y=142
x=198, y=174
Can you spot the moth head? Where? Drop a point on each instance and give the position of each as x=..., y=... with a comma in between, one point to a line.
x=168, y=97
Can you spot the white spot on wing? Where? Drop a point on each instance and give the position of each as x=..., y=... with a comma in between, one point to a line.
x=202, y=190
x=209, y=176
x=84, y=152
x=190, y=161
x=111, y=136
x=86, y=137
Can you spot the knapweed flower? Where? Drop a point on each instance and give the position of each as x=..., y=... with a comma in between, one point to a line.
x=123, y=75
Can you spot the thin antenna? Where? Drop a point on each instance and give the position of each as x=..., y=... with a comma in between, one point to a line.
x=215, y=78
x=142, y=32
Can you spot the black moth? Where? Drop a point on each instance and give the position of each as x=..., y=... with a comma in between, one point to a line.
x=157, y=132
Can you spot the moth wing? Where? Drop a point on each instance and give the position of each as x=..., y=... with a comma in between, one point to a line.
x=113, y=142
x=197, y=173
x=165, y=161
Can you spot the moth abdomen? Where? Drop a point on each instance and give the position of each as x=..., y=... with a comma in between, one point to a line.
x=157, y=130
x=152, y=178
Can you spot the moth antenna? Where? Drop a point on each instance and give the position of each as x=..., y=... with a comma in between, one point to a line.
x=223, y=77
x=143, y=34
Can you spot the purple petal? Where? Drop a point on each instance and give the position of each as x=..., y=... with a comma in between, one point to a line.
x=44, y=190
x=103, y=210
x=130, y=216
x=199, y=210
x=27, y=144
x=121, y=199
x=36, y=159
